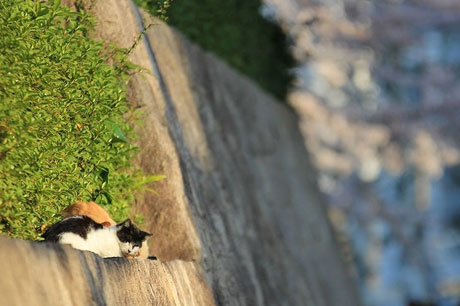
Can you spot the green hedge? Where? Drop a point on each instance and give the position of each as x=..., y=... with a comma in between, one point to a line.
x=63, y=133
x=236, y=32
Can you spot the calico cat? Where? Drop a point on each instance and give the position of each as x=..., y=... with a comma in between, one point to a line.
x=100, y=215
x=83, y=233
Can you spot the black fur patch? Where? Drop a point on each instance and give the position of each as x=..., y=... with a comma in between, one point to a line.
x=79, y=225
x=128, y=232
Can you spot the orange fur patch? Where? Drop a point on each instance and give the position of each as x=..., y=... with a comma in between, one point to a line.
x=89, y=209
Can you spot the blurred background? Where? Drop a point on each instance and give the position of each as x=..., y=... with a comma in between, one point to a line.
x=376, y=86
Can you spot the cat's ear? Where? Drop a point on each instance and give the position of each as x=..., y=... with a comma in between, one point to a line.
x=146, y=234
x=126, y=223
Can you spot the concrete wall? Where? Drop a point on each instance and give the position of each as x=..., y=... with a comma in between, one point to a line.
x=239, y=203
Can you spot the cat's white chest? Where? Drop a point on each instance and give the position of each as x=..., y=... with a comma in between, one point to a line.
x=103, y=242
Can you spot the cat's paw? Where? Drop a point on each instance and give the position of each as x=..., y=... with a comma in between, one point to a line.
x=131, y=256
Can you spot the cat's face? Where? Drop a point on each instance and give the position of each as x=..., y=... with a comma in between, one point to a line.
x=130, y=238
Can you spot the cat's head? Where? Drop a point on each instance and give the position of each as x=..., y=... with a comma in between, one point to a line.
x=130, y=238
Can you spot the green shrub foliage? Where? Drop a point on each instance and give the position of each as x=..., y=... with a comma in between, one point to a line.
x=64, y=118
x=235, y=31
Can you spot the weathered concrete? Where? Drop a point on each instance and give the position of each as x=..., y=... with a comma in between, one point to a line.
x=249, y=184
x=56, y=275
x=166, y=213
x=240, y=198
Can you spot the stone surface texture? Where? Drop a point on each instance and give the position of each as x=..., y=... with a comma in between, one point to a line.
x=36, y=273
x=239, y=213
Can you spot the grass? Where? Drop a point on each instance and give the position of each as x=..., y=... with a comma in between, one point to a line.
x=65, y=123
x=235, y=31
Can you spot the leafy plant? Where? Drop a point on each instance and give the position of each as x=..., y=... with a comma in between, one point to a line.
x=158, y=8
x=64, y=118
x=235, y=31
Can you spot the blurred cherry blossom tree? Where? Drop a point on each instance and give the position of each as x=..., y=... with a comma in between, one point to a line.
x=377, y=91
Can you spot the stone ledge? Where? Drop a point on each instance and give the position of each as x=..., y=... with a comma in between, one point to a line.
x=36, y=273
